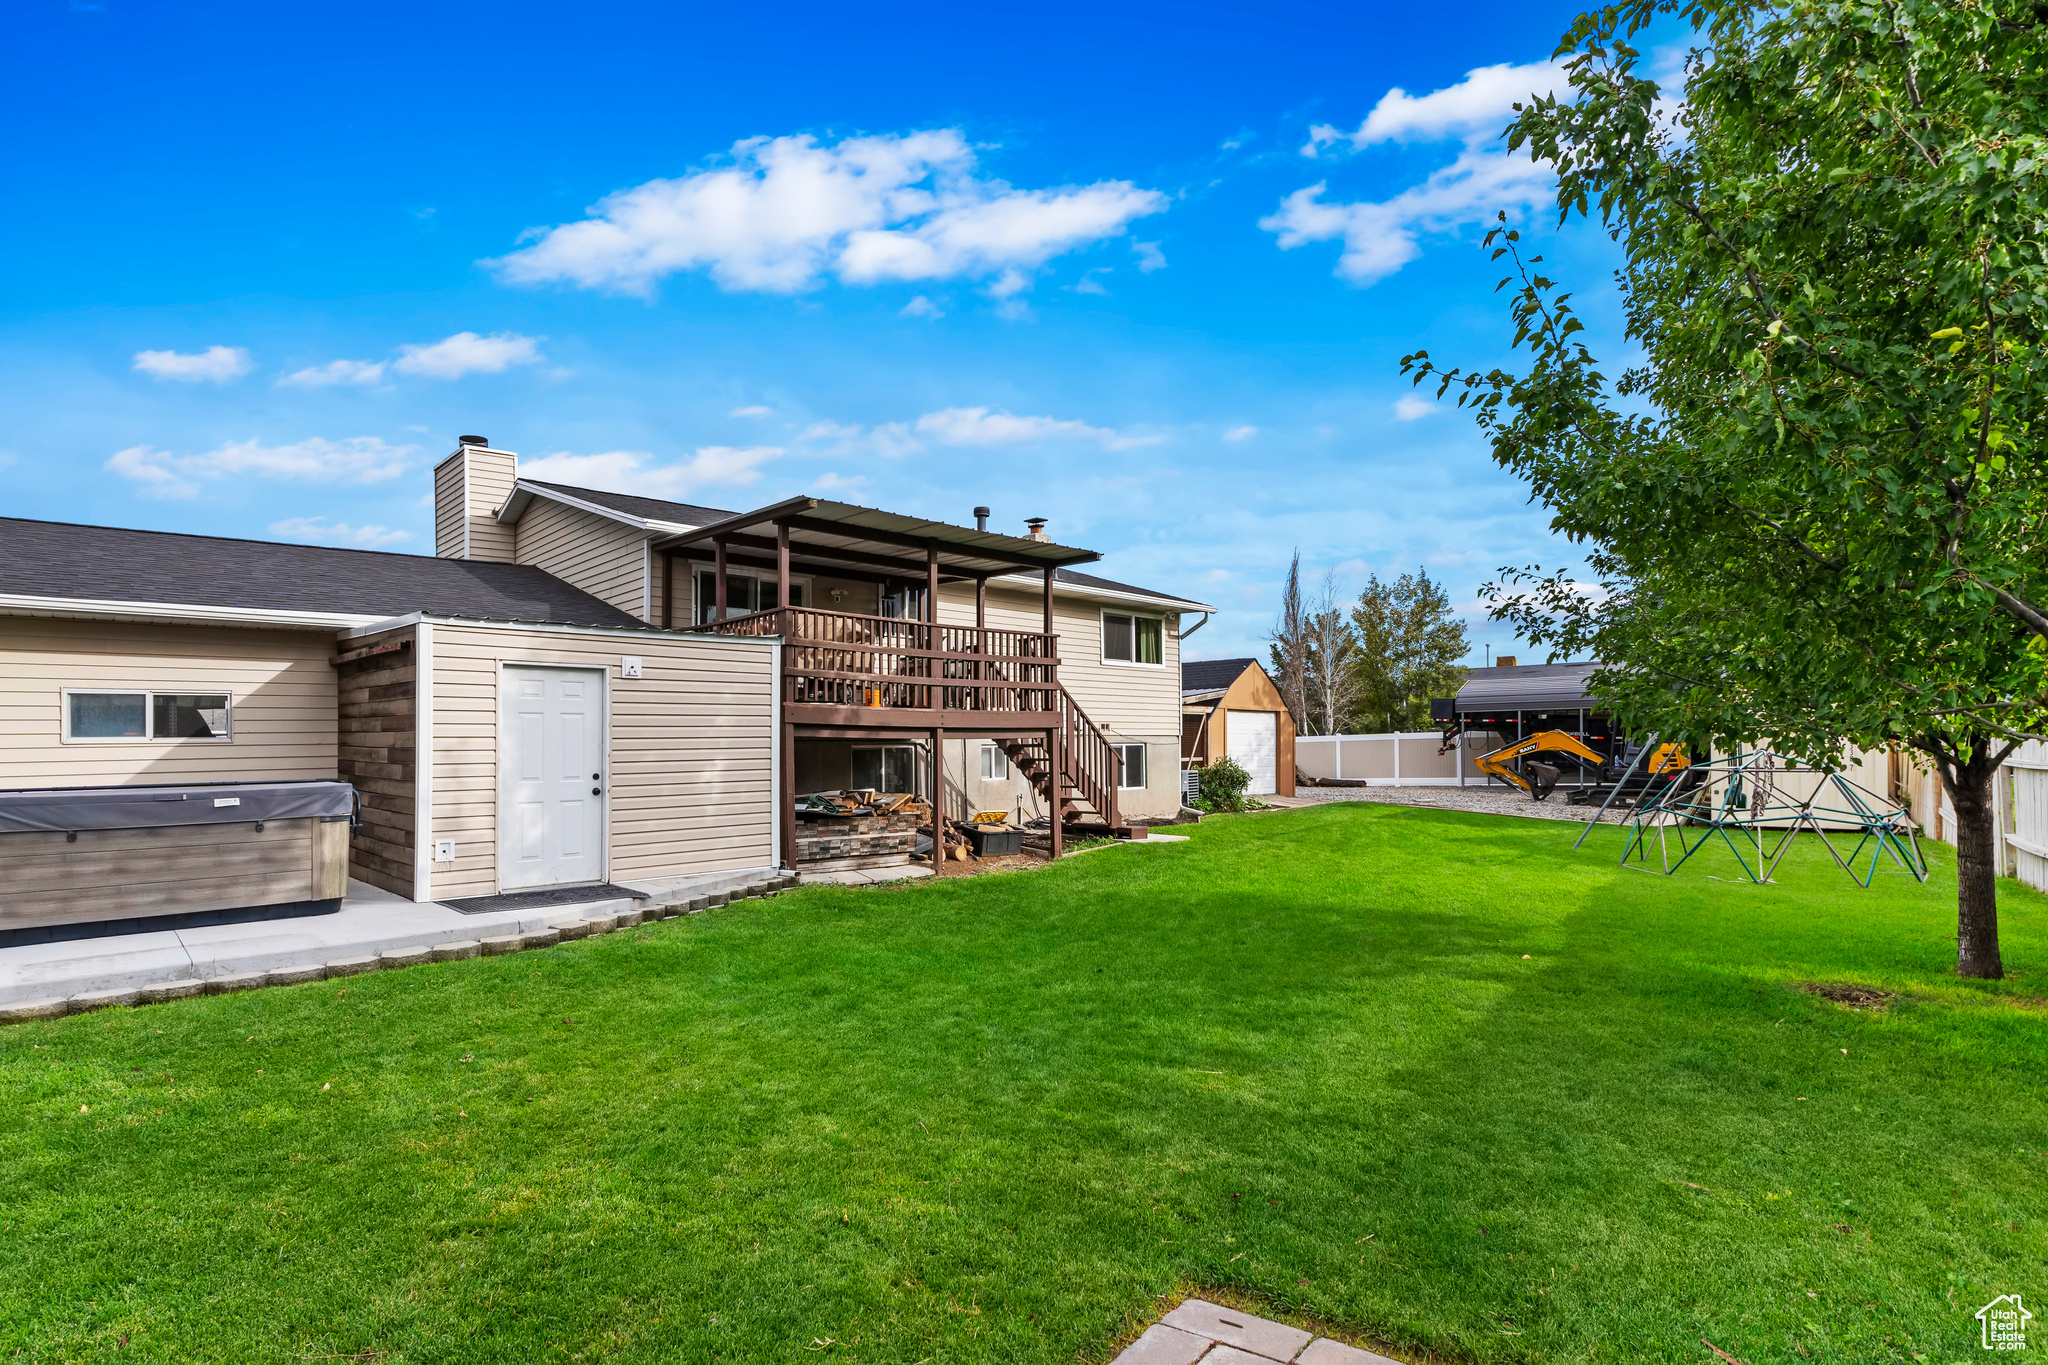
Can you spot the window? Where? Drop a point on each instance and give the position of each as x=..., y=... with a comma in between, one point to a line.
x=893, y=769
x=905, y=603
x=1134, y=765
x=144, y=716
x=744, y=593
x=995, y=765
x=1132, y=639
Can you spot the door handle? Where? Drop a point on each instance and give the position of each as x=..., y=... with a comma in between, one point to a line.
x=597, y=791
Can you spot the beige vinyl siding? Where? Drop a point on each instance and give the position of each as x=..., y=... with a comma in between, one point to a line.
x=604, y=558
x=450, y=513
x=281, y=683
x=690, y=749
x=491, y=476
x=1129, y=701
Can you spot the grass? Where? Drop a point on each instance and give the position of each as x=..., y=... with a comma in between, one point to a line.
x=1426, y=1076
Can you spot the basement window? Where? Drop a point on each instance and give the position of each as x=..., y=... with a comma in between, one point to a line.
x=1133, y=774
x=995, y=765
x=891, y=769
x=132, y=717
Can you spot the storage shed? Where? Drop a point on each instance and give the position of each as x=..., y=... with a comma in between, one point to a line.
x=1230, y=708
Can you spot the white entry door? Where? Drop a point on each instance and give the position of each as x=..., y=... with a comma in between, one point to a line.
x=551, y=823
x=1255, y=745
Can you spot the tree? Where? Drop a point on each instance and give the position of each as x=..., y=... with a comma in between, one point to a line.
x=1329, y=675
x=1409, y=644
x=1815, y=510
x=1290, y=646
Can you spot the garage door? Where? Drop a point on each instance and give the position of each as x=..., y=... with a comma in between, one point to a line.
x=1255, y=745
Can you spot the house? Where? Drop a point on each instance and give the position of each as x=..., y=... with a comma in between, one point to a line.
x=584, y=685
x=1230, y=707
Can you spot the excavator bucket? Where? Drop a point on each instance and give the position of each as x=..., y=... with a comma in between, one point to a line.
x=1541, y=778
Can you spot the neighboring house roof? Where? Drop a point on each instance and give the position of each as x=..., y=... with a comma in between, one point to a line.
x=1212, y=675
x=1532, y=687
x=648, y=512
x=59, y=561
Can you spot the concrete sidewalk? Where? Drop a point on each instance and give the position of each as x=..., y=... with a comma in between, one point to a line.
x=370, y=922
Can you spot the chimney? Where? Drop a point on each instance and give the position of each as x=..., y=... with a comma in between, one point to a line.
x=981, y=518
x=469, y=487
x=1504, y=661
x=1034, y=529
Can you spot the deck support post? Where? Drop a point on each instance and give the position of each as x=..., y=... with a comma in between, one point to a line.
x=938, y=799
x=782, y=565
x=1052, y=754
x=788, y=786
x=668, y=592
x=718, y=572
x=931, y=620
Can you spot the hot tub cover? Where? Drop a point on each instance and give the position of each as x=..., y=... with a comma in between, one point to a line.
x=217, y=803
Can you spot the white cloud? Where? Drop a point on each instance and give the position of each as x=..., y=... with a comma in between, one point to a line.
x=921, y=307
x=1410, y=406
x=1380, y=238
x=981, y=427
x=1240, y=433
x=788, y=212
x=828, y=431
x=165, y=474
x=1150, y=257
x=214, y=365
x=1479, y=104
x=319, y=531
x=830, y=482
x=636, y=471
x=335, y=372
x=752, y=410
x=467, y=353
x=1088, y=284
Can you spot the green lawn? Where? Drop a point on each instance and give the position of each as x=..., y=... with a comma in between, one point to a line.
x=1302, y=1058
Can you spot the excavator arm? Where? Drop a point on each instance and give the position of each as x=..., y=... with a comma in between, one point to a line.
x=1501, y=762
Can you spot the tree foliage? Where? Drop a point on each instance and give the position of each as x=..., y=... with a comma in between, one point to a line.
x=1814, y=512
x=1409, y=645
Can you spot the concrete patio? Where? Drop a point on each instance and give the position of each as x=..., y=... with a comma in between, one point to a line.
x=373, y=929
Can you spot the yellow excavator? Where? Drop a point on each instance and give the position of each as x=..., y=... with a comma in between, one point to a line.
x=1507, y=762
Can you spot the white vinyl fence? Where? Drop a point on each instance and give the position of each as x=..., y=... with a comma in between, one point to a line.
x=1390, y=760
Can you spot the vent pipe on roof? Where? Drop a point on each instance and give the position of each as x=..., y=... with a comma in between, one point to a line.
x=1035, y=529
x=981, y=518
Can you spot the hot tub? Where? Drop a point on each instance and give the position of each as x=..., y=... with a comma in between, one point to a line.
x=79, y=862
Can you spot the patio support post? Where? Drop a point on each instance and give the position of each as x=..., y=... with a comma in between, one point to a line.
x=1048, y=599
x=937, y=700
x=782, y=565
x=979, y=698
x=718, y=598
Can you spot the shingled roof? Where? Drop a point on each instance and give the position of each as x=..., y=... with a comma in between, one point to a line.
x=1212, y=675
x=52, y=559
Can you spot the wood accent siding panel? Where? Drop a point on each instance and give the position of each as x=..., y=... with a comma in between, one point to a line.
x=602, y=557
x=377, y=709
x=280, y=681
x=689, y=765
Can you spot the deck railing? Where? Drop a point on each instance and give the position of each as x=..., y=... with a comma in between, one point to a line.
x=839, y=658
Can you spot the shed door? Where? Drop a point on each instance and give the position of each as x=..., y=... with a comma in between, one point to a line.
x=551, y=823
x=1255, y=744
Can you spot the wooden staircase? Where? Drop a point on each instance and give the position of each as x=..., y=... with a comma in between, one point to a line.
x=1090, y=770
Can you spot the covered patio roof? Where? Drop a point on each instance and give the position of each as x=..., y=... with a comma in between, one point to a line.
x=866, y=537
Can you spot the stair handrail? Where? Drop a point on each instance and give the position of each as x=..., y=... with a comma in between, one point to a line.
x=1094, y=765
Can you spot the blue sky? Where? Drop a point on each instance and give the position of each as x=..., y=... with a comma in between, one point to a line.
x=266, y=262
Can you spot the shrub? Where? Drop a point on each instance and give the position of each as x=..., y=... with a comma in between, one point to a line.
x=1223, y=784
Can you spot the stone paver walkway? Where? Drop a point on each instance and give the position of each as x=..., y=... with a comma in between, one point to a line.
x=1202, y=1331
